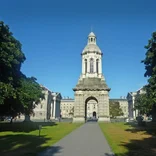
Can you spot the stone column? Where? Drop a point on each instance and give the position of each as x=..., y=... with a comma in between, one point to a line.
x=104, y=108
x=54, y=107
x=78, y=109
x=83, y=66
x=100, y=66
x=94, y=65
x=88, y=65
x=51, y=111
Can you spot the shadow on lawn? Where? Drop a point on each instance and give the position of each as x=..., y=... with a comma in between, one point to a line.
x=140, y=146
x=147, y=127
x=23, y=145
x=24, y=126
x=145, y=147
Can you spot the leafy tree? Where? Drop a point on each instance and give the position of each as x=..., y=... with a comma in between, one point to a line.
x=150, y=67
x=18, y=93
x=142, y=103
x=114, y=109
x=29, y=95
x=11, y=58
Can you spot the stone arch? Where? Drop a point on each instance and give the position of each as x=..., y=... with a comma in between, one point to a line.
x=91, y=98
x=86, y=102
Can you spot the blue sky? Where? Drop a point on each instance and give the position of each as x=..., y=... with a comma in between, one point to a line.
x=54, y=32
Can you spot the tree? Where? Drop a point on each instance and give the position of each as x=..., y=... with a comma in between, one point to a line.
x=18, y=93
x=150, y=67
x=114, y=109
x=11, y=58
x=142, y=103
x=29, y=95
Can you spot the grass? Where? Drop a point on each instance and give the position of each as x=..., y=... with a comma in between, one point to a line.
x=127, y=140
x=29, y=143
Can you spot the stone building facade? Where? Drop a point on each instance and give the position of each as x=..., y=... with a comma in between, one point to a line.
x=91, y=88
x=48, y=108
x=131, y=100
x=133, y=113
x=67, y=107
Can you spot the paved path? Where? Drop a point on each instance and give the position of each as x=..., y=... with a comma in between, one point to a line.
x=88, y=140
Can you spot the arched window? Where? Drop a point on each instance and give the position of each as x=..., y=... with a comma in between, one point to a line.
x=97, y=66
x=85, y=65
x=91, y=65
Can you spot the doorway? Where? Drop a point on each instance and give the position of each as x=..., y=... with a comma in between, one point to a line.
x=94, y=114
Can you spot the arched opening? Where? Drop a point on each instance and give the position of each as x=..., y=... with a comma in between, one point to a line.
x=97, y=66
x=91, y=108
x=85, y=65
x=94, y=114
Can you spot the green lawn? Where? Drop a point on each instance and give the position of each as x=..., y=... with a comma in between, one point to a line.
x=127, y=140
x=29, y=143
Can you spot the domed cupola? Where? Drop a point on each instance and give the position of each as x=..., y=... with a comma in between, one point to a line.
x=91, y=45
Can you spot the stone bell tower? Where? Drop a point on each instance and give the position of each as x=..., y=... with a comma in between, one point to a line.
x=91, y=92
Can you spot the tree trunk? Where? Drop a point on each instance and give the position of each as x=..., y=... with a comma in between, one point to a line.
x=27, y=118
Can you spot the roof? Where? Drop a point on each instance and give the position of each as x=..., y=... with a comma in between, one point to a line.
x=91, y=84
x=91, y=34
x=91, y=48
x=118, y=99
x=57, y=94
x=67, y=100
x=45, y=88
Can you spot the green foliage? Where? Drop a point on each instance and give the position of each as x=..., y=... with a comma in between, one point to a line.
x=150, y=67
x=6, y=90
x=114, y=109
x=29, y=94
x=11, y=58
x=18, y=93
x=142, y=103
x=150, y=60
